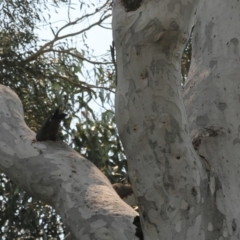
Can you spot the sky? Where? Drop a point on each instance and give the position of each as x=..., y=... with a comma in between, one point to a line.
x=98, y=39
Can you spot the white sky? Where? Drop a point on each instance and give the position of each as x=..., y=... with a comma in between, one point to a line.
x=98, y=39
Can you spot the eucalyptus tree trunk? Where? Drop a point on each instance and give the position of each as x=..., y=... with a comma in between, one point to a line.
x=186, y=181
x=212, y=97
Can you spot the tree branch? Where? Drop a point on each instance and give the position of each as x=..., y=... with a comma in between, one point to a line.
x=78, y=56
x=80, y=84
x=82, y=18
x=56, y=174
x=57, y=38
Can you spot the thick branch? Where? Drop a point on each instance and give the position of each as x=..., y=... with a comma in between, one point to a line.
x=59, y=176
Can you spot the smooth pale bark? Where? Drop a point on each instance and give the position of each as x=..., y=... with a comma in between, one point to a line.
x=175, y=189
x=59, y=176
x=212, y=98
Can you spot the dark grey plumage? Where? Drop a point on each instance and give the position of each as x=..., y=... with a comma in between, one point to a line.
x=49, y=130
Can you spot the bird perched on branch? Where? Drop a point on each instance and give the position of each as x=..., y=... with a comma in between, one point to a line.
x=49, y=130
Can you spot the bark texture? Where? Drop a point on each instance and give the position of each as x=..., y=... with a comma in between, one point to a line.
x=59, y=176
x=175, y=188
x=212, y=97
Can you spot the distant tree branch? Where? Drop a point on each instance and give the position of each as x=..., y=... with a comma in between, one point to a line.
x=79, y=56
x=82, y=18
x=80, y=84
x=48, y=46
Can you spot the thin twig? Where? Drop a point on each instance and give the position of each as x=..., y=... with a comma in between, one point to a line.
x=57, y=38
x=78, y=84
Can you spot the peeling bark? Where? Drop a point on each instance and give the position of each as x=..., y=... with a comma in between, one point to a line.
x=59, y=176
